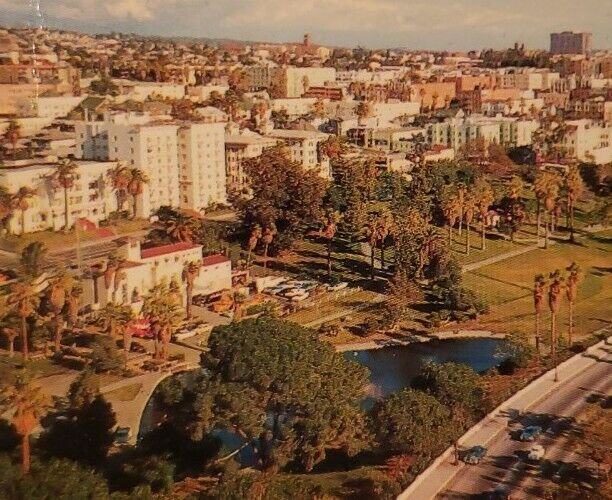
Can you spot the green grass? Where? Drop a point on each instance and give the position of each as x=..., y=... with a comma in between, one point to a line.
x=507, y=285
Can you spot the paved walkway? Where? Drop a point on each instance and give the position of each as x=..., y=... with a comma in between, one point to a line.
x=435, y=478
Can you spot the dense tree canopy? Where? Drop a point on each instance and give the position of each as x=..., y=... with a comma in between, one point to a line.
x=269, y=368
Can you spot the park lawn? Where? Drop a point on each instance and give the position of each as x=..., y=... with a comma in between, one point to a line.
x=496, y=244
x=506, y=286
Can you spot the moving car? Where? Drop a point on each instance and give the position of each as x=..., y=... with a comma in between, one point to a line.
x=474, y=455
x=123, y=435
x=530, y=433
x=536, y=453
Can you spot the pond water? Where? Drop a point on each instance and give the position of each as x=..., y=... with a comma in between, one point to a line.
x=394, y=368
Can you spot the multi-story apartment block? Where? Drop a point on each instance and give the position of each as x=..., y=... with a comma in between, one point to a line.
x=238, y=149
x=303, y=147
x=201, y=159
x=458, y=131
x=294, y=82
x=569, y=42
x=90, y=198
x=589, y=141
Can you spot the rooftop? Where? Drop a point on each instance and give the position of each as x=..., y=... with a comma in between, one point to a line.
x=211, y=260
x=148, y=253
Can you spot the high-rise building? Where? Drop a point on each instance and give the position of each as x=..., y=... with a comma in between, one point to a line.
x=569, y=42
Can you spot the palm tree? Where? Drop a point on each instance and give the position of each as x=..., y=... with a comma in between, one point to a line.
x=29, y=404
x=21, y=201
x=554, y=301
x=483, y=194
x=6, y=207
x=538, y=304
x=252, y=242
x=461, y=191
x=135, y=187
x=56, y=297
x=363, y=110
x=540, y=186
x=328, y=233
x=64, y=177
x=384, y=224
x=33, y=257
x=12, y=135
x=24, y=300
x=451, y=210
x=574, y=187
x=180, y=228
x=571, y=293
x=164, y=311
x=470, y=206
x=117, y=319
x=550, y=202
x=120, y=180
x=190, y=273
x=267, y=238
x=370, y=233
x=431, y=240
x=515, y=187
x=10, y=334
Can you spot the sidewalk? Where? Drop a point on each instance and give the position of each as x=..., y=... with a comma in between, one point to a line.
x=433, y=480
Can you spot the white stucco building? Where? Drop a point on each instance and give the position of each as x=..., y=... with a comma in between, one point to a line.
x=589, y=141
x=303, y=147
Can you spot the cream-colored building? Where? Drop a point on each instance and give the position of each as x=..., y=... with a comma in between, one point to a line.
x=91, y=196
x=201, y=155
x=589, y=141
x=303, y=147
x=238, y=149
x=295, y=81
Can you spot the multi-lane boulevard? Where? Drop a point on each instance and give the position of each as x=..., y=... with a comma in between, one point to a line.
x=546, y=402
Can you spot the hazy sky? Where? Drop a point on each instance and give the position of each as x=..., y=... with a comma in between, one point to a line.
x=435, y=24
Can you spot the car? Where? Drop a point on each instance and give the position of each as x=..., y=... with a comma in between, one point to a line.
x=123, y=435
x=474, y=455
x=536, y=452
x=530, y=433
x=185, y=334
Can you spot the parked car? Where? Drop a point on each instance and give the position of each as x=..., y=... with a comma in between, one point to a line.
x=123, y=435
x=530, y=433
x=474, y=455
x=536, y=452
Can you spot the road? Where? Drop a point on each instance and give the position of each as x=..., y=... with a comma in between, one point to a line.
x=505, y=462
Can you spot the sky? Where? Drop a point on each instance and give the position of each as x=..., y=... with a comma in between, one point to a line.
x=415, y=24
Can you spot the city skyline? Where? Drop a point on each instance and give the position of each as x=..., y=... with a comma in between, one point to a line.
x=386, y=23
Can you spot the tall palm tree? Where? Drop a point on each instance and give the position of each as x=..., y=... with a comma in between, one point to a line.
x=180, y=228
x=21, y=201
x=29, y=404
x=538, y=304
x=254, y=238
x=267, y=238
x=328, y=233
x=116, y=319
x=451, y=210
x=164, y=311
x=470, y=205
x=6, y=207
x=120, y=180
x=135, y=186
x=12, y=135
x=370, y=233
x=56, y=298
x=540, y=187
x=384, y=225
x=460, y=200
x=571, y=293
x=10, y=334
x=483, y=194
x=555, y=288
x=574, y=187
x=431, y=239
x=24, y=298
x=550, y=202
x=190, y=273
x=64, y=176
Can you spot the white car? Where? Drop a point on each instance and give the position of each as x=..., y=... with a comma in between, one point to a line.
x=185, y=335
x=337, y=286
x=536, y=453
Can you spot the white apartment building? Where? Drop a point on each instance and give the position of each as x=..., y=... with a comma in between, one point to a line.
x=303, y=146
x=151, y=147
x=458, y=131
x=140, y=91
x=201, y=159
x=238, y=149
x=589, y=141
x=203, y=92
x=296, y=80
x=295, y=107
x=90, y=198
x=55, y=107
